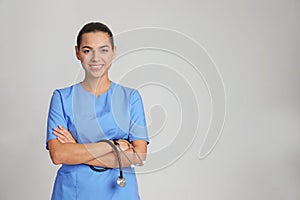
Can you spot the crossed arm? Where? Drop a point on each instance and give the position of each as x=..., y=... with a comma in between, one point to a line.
x=65, y=150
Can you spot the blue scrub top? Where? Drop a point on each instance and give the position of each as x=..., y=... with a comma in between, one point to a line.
x=116, y=114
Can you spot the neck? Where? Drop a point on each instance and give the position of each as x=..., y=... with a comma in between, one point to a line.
x=96, y=86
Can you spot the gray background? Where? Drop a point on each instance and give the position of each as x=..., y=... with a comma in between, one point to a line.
x=256, y=47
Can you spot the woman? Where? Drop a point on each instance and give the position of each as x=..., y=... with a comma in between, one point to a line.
x=85, y=113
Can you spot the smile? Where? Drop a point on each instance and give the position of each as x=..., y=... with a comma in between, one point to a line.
x=96, y=67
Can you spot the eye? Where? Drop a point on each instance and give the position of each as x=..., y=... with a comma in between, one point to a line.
x=104, y=50
x=86, y=51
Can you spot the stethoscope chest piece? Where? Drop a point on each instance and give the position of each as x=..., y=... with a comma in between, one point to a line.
x=121, y=181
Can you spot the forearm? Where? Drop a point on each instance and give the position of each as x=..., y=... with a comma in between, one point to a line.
x=65, y=150
x=128, y=158
x=73, y=153
x=110, y=160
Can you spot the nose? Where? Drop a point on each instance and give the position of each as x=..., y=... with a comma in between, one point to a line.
x=95, y=56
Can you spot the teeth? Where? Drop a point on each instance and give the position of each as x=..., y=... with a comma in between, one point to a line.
x=96, y=66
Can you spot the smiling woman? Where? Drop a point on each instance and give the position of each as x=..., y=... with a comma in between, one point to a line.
x=85, y=113
x=96, y=54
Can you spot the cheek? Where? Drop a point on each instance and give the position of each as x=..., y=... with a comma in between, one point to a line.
x=84, y=59
x=109, y=59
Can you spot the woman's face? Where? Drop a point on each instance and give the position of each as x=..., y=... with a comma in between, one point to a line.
x=96, y=54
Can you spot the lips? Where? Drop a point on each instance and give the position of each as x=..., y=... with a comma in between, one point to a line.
x=96, y=67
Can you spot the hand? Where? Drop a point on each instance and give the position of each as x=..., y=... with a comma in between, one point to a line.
x=124, y=144
x=63, y=135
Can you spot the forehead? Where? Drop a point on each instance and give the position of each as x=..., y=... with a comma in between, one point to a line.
x=94, y=39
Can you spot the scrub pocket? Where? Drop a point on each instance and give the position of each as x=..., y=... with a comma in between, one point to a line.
x=65, y=184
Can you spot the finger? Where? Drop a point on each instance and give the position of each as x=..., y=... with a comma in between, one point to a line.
x=61, y=140
x=125, y=142
x=63, y=128
x=70, y=140
x=65, y=136
x=65, y=132
x=59, y=136
x=124, y=146
x=68, y=135
x=59, y=131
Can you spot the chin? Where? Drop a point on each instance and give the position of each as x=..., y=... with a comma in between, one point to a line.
x=97, y=76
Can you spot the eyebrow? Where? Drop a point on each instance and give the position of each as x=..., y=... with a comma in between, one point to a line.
x=88, y=47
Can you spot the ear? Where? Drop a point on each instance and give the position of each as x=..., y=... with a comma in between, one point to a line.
x=115, y=52
x=77, y=52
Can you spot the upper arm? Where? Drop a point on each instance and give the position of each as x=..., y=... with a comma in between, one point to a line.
x=138, y=127
x=55, y=116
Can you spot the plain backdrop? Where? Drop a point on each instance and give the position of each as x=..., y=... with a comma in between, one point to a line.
x=254, y=46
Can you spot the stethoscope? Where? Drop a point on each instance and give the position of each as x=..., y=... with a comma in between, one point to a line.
x=120, y=180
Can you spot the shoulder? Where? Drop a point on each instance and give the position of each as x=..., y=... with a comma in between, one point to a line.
x=128, y=94
x=65, y=91
x=132, y=94
x=123, y=87
x=128, y=91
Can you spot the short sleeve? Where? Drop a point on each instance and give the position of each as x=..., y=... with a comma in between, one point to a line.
x=55, y=115
x=138, y=127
